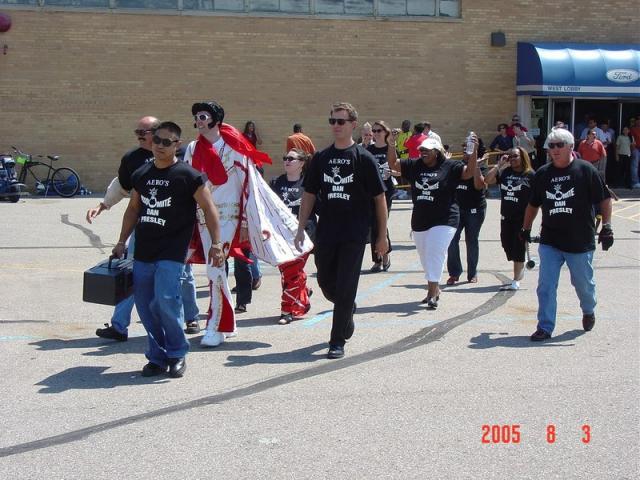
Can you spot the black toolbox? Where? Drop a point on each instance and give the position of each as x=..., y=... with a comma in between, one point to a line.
x=109, y=282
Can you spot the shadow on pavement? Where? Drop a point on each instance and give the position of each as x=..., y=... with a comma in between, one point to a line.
x=104, y=347
x=89, y=378
x=485, y=340
x=403, y=309
x=229, y=345
x=301, y=355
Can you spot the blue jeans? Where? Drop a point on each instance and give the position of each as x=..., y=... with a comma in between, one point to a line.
x=255, y=267
x=635, y=160
x=581, y=270
x=188, y=283
x=471, y=223
x=121, y=318
x=122, y=312
x=159, y=303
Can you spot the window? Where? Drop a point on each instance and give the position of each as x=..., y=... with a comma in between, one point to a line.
x=149, y=4
x=365, y=8
x=407, y=7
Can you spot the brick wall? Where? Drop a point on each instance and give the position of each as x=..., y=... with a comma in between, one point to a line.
x=74, y=83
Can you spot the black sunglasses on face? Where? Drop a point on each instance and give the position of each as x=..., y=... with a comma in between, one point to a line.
x=289, y=159
x=141, y=133
x=377, y=130
x=339, y=121
x=166, y=142
x=552, y=145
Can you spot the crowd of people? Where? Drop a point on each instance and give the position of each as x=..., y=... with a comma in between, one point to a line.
x=208, y=201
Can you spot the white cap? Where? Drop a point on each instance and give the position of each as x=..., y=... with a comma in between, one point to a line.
x=430, y=144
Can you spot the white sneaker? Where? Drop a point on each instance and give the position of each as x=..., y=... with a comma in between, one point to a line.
x=212, y=339
x=231, y=334
x=515, y=285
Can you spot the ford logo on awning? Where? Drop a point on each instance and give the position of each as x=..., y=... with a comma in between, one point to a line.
x=623, y=75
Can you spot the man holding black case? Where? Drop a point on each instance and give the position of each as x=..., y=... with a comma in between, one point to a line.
x=162, y=209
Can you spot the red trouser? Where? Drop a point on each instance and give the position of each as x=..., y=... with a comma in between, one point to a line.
x=295, y=296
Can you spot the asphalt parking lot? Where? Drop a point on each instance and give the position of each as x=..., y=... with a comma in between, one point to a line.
x=420, y=394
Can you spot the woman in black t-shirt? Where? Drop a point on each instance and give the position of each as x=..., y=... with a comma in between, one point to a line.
x=295, y=294
x=435, y=215
x=514, y=175
x=378, y=149
x=470, y=197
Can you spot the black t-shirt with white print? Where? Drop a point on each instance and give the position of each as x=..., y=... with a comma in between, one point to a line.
x=567, y=196
x=468, y=197
x=168, y=210
x=380, y=154
x=515, y=190
x=290, y=192
x=433, y=192
x=132, y=161
x=346, y=180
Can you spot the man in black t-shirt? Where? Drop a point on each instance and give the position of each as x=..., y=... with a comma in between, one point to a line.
x=346, y=178
x=162, y=209
x=567, y=190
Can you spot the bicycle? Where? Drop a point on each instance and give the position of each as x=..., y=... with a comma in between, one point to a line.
x=64, y=181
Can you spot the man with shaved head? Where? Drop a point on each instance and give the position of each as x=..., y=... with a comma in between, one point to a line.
x=118, y=189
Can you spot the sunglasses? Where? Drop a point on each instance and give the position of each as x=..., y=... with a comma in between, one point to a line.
x=513, y=157
x=166, y=142
x=289, y=159
x=339, y=121
x=377, y=130
x=552, y=145
x=141, y=133
x=202, y=117
x=426, y=150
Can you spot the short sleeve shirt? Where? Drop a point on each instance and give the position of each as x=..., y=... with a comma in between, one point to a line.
x=380, y=154
x=515, y=190
x=131, y=161
x=168, y=210
x=346, y=180
x=433, y=192
x=468, y=197
x=566, y=197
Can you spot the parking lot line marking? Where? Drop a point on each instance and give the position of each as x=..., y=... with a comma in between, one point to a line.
x=366, y=293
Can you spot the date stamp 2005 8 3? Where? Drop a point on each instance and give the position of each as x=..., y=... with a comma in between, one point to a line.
x=511, y=434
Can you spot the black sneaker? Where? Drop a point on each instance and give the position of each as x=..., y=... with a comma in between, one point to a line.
x=432, y=303
x=335, y=351
x=152, y=370
x=241, y=308
x=540, y=335
x=285, y=319
x=588, y=321
x=177, y=367
x=193, y=327
x=111, y=333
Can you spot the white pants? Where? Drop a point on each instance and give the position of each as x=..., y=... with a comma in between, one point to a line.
x=432, y=246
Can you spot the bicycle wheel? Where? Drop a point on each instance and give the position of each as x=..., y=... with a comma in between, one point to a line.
x=65, y=182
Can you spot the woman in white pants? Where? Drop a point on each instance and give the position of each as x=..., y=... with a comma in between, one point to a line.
x=435, y=216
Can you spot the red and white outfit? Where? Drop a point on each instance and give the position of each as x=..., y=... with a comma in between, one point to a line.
x=240, y=195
